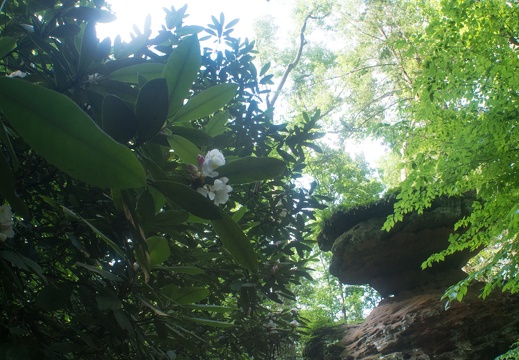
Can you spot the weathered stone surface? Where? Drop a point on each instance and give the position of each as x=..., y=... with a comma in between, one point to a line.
x=411, y=322
x=417, y=326
x=391, y=261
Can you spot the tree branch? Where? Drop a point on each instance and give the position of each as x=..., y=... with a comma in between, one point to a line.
x=292, y=65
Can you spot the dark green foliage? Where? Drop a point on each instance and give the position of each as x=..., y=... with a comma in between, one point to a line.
x=115, y=254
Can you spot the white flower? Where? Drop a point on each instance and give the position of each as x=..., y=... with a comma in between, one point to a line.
x=221, y=190
x=218, y=192
x=271, y=325
x=294, y=323
x=17, y=73
x=6, y=222
x=212, y=160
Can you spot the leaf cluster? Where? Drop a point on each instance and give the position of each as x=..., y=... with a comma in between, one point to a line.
x=116, y=254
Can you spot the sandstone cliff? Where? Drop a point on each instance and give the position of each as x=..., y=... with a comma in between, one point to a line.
x=411, y=322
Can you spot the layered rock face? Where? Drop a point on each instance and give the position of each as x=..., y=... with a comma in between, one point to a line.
x=411, y=322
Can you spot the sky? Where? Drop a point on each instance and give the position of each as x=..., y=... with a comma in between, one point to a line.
x=130, y=12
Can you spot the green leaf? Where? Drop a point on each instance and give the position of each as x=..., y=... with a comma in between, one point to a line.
x=125, y=91
x=181, y=71
x=216, y=124
x=264, y=69
x=206, y=102
x=103, y=237
x=4, y=138
x=18, y=352
x=106, y=274
x=118, y=119
x=7, y=44
x=90, y=14
x=7, y=187
x=166, y=221
x=184, y=149
x=131, y=73
x=151, y=109
x=65, y=31
x=107, y=300
x=188, y=199
x=190, y=270
x=190, y=29
x=185, y=295
x=211, y=308
x=158, y=248
x=138, y=44
x=235, y=241
x=88, y=48
x=103, y=49
x=250, y=169
x=214, y=323
x=56, y=128
x=197, y=137
x=53, y=297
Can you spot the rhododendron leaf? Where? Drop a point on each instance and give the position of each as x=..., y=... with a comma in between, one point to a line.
x=52, y=297
x=118, y=119
x=151, y=109
x=188, y=199
x=206, y=103
x=158, y=248
x=185, y=295
x=131, y=73
x=56, y=128
x=7, y=44
x=197, y=137
x=216, y=125
x=184, y=149
x=88, y=47
x=211, y=308
x=250, y=169
x=214, y=323
x=235, y=241
x=166, y=221
x=181, y=71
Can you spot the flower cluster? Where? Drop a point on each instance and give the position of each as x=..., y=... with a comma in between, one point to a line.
x=219, y=190
x=6, y=222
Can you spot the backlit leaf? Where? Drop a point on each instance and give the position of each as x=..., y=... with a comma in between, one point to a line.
x=184, y=149
x=214, y=323
x=131, y=73
x=216, y=124
x=181, y=70
x=250, y=169
x=56, y=128
x=185, y=295
x=206, y=103
x=88, y=47
x=7, y=44
x=235, y=241
x=188, y=199
x=158, y=248
x=151, y=109
x=118, y=119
